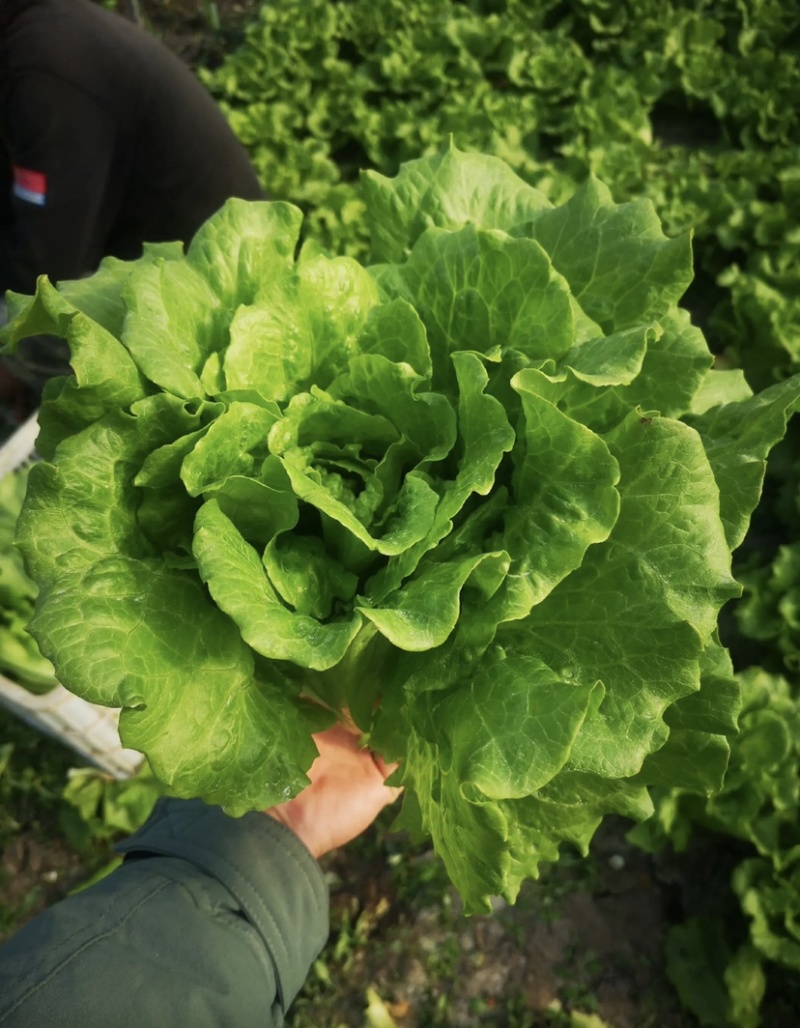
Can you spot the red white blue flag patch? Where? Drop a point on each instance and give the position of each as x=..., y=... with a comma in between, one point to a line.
x=30, y=185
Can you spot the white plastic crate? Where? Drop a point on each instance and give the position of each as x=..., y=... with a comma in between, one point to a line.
x=89, y=729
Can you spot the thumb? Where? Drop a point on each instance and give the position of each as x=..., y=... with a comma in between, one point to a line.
x=385, y=770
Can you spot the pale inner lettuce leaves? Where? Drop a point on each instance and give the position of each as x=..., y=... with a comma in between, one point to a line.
x=300, y=329
x=481, y=495
x=240, y=585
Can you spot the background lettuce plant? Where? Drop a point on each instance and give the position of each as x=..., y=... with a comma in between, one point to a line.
x=759, y=804
x=481, y=494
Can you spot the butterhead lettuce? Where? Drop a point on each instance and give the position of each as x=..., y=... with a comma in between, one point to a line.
x=481, y=494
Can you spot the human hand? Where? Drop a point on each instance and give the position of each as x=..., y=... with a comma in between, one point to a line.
x=346, y=794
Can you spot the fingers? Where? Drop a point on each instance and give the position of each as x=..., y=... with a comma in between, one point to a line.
x=394, y=792
x=389, y=793
x=346, y=737
x=384, y=768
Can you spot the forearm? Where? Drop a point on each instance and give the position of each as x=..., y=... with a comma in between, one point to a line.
x=210, y=920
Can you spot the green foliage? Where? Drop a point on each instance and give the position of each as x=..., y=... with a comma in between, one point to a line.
x=760, y=804
x=33, y=768
x=770, y=608
x=97, y=809
x=90, y=812
x=20, y=658
x=32, y=773
x=694, y=106
x=720, y=984
x=450, y=493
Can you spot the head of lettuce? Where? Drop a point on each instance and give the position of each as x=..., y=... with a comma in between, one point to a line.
x=481, y=495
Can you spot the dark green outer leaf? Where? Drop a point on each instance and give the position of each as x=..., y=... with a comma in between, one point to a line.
x=620, y=266
x=636, y=613
x=737, y=437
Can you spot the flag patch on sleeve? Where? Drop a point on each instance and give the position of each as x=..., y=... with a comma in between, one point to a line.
x=30, y=185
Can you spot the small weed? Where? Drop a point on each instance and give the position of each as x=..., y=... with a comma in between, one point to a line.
x=13, y=915
x=580, y=996
x=433, y=1009
x=444, y=959
x=33, y=770
x=354, y=930
x=518, y=1013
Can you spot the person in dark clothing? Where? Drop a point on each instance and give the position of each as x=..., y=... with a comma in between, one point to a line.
x=107, y=141
x=209, y=921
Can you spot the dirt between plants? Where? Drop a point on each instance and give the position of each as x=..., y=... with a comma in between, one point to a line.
x=34, y=874
x=588, y=936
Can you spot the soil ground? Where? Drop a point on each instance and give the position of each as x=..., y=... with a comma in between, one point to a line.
x=587, y=937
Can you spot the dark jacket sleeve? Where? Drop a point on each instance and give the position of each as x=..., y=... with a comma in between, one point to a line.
x=62, y=134
x=209, y=921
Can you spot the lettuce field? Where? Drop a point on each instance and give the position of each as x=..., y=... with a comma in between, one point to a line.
x=481, y=431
